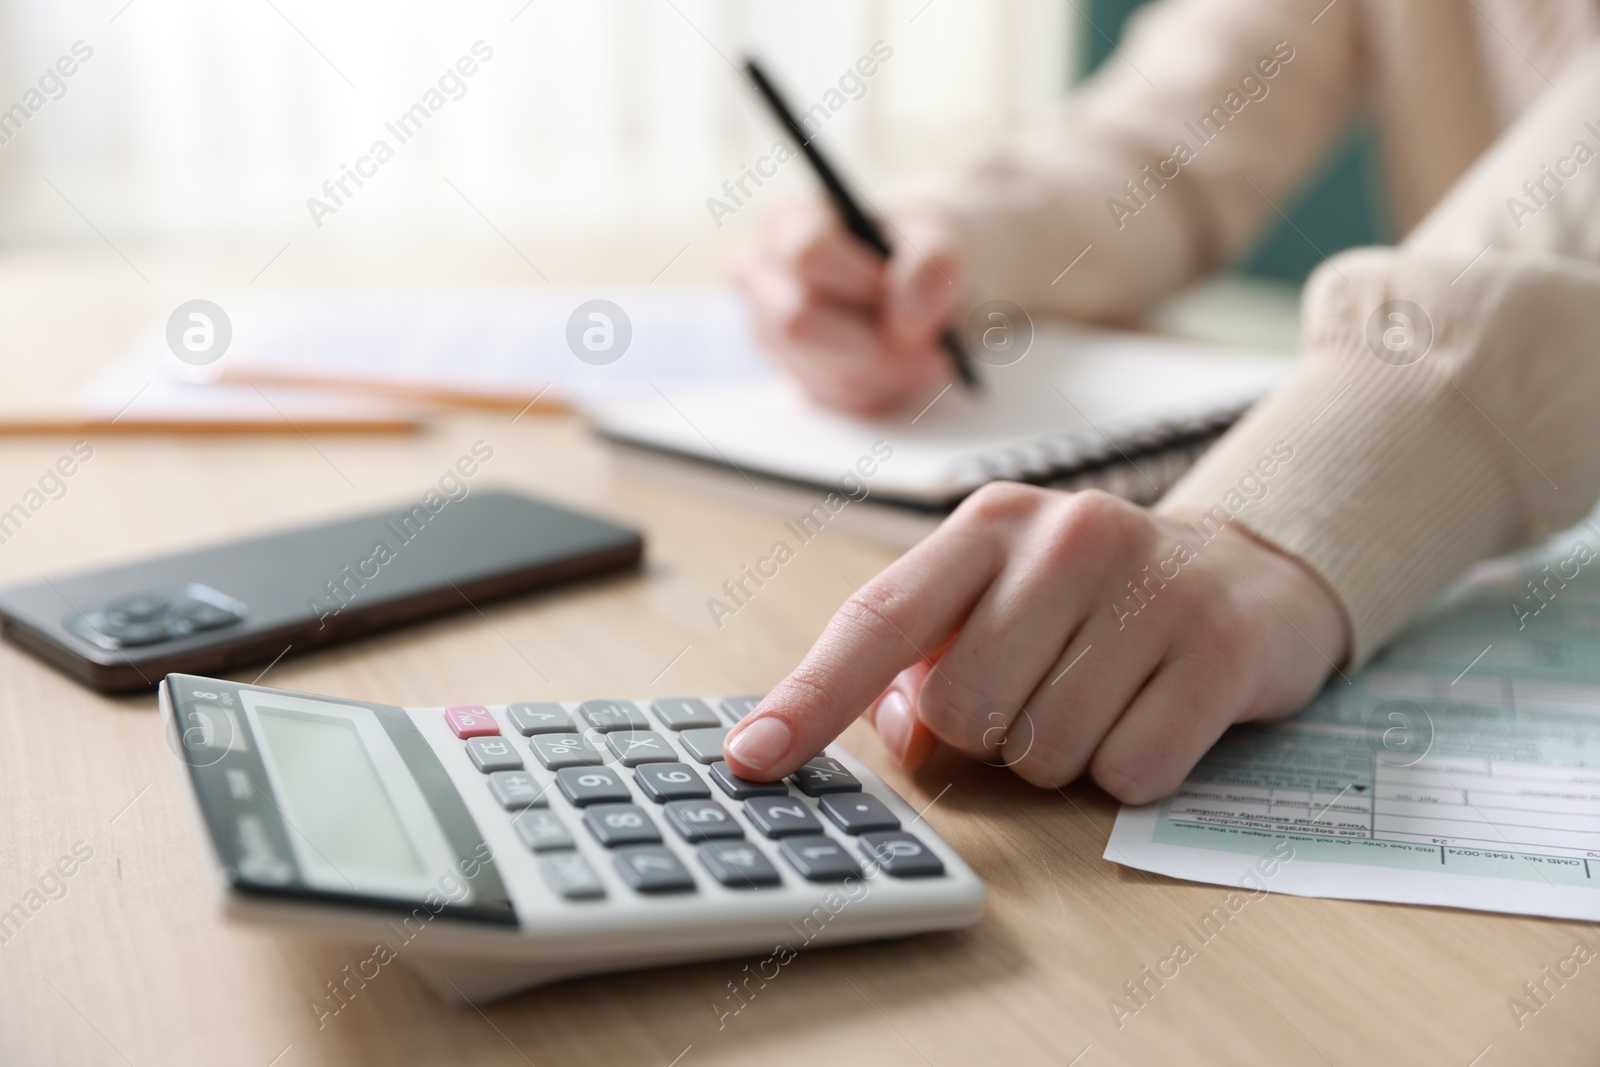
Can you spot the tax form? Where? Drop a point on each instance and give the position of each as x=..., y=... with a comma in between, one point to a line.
x=1461, y=768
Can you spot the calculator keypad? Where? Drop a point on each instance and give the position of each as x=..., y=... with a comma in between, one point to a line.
x=621, y=824
x=541, y=829
x=607, y=715
x=470, y=720
x=736, y=708
x=653, y=869
x=781, y=816
x=491, y=754
x=539, y=717
x=858, y=813
x=702, y=820
x=819, y=858
x=570, y=875
x=704, y=745
x=680, y=713
x=634, y=747
x=662, y=782
x=583, y=786
x=825, y=775
x=738, y=865
x=742, y=788
x=517, y=789
x=900, y=855
x=593, y=751
x=555, y=751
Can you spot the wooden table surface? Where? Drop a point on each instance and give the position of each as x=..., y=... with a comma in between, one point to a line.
x=128, y=962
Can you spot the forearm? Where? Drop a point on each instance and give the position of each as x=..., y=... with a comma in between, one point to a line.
x=1409, y=464
x=1165, y=165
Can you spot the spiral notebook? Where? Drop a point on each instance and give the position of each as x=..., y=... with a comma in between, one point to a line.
x=1122, y=411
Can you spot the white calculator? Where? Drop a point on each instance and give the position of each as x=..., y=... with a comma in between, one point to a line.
x=493, y=848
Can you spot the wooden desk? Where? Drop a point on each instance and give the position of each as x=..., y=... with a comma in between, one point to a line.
x=131, y=965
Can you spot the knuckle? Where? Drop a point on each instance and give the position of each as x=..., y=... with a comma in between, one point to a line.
x=1047, y=767
x=1129, y=784
x=1003, y=502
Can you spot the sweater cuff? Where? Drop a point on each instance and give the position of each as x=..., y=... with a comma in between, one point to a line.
x=1375, y=471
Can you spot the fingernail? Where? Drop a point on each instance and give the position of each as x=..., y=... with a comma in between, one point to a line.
x=762, y=743
x=894, y=723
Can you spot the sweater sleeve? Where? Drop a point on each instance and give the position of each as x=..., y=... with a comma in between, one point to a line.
x=1446, y=406
x=1165, y=165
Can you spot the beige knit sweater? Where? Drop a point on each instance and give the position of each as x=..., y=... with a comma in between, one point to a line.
x=1422, y=441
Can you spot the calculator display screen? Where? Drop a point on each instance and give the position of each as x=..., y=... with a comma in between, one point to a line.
x=334, y=797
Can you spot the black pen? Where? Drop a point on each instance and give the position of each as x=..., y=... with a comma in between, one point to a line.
x=858, y=222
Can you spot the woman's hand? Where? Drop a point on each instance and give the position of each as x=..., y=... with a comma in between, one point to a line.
x=859, y=333
x=1064, y=634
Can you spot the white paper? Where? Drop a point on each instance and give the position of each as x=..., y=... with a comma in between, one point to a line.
x=1461, y=768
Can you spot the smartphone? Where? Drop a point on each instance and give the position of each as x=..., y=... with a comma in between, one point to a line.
x=210, y=610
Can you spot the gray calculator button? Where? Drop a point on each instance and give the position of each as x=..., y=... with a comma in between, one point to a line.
x=621, y=824
x=781, y=816
x=634, y=747
x=539, y=717
x=516, y=789
x=541, y=830
x=901, y=855
x=742, y=788
x=570, y=875
x=738, y=865
x=818, y=858
x=702, y=820
x=825, y=775
x=653, y=869
x=670, y=781
x=737, y=708
x=556, y=751
x=858, y=813
x=704, y=745
x=493, y=754
x=684, y=713
x=592, y=785
x=606, y=715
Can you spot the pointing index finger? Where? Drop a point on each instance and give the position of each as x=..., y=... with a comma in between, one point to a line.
x=890, y=623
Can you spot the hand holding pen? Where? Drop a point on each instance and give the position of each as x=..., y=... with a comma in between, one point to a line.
x=859, y=315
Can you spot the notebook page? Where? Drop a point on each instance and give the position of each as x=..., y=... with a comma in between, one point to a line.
x=1077, y=392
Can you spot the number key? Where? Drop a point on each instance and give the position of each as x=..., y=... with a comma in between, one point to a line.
x=653, y=870
x=737, y=865
x=670, y=781
x=702, y=820
x=493, y=754
x=901, y=855
x=819, y=858
x=621, y=824
x=556, y=751
x=781, y=816
x=592, y=785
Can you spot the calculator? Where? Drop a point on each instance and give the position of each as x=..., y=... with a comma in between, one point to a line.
x=496, y=847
